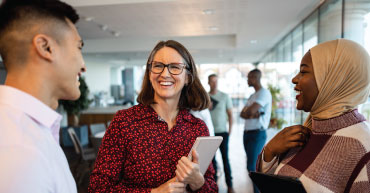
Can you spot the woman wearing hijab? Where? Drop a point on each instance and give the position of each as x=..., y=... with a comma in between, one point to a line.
x=330, y=152
x=145, y=147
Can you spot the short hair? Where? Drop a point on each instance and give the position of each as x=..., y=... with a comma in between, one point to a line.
x=193, y=95
x=211, y=76
x=18, y=17
x=257, y=71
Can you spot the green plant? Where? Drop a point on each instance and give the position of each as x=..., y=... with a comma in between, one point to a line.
x=274, y=120
x=82, y=103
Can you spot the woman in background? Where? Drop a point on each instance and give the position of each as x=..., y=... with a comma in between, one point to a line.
x=145, y=146
x=330, y=152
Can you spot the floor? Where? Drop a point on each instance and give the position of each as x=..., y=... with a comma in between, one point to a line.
x=238, y=161
x=241, y=180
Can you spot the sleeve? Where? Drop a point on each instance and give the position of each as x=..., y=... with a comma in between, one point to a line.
x=229, y=103
x=210, y=184
x=24, y=169
x=266, y=167
x=109, y=163
x=264, y=98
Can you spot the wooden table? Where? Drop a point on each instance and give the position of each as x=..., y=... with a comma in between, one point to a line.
x=99, y=115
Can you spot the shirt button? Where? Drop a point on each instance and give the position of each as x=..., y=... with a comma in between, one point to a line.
x=170, y=161
x=166, y=143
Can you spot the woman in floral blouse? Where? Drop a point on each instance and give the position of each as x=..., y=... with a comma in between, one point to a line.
x=145, y=147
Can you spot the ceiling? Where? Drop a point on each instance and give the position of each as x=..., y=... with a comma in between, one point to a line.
x=215, y=31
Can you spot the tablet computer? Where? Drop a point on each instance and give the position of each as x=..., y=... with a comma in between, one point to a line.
x=267, y=183
x=206, y=147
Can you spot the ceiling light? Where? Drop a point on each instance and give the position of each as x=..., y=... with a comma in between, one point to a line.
x=116, y=34
x=88, y=18
x=253, y=41
x=213, y=28
x=104, y=27
x=208, y=11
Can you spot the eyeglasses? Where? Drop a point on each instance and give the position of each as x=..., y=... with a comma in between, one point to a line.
x=173, y=68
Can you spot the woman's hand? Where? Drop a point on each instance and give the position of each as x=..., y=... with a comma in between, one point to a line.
x=171, y=186
x=188, y=172
x=289, y=137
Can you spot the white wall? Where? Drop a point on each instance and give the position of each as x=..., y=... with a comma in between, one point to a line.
x=98, y=76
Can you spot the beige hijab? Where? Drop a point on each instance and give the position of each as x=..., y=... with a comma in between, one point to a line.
x=342, y=72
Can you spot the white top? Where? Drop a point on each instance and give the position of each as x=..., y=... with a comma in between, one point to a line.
x=30, y=156
x=205, y=115
x=262, y=97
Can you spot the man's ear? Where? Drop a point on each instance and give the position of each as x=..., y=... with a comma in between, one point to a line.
x=43, y=45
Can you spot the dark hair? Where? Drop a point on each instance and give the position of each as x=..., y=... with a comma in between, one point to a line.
x=20, y=15
x=212, y=75
x=256, y=71
x=193, y=95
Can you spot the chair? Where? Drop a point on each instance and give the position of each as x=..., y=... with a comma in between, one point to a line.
x=96, y=128
x=87, y=155
x=96, y=142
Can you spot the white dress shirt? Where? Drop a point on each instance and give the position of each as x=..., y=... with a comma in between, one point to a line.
x=31, y=159
x=205, y=116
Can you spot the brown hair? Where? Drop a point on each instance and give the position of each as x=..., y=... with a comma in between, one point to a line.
x=193, y=95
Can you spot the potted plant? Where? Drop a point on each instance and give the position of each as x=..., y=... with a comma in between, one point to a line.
x=74, y=108
x=275, y=122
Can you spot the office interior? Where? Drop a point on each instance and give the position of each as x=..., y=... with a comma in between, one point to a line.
x=226, y=37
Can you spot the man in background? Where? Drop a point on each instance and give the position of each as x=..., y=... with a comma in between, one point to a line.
x=41, y=51
x=221, y=113
x=257, y=113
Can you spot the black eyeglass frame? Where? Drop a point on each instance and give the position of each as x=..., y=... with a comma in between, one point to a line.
x=184, y=66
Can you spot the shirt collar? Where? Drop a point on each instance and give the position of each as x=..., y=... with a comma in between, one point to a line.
x=33, y=107
x=183, y=114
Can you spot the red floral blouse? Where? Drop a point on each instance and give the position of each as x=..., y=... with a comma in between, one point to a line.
x=138, y=152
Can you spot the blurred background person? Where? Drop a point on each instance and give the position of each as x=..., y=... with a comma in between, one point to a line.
x=221, y=113
x=257, y=113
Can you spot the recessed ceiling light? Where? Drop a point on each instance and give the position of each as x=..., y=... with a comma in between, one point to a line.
x=213, y=28
x=116, y=33
x=88, y=18
x=104, y=27
x=253, y=41
x=208, y=11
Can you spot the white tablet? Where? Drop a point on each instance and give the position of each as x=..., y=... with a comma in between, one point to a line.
x=206, y=147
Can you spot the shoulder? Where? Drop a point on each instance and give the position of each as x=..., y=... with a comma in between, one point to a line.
x=265, y=91
x=358, y=133
x=127, y=120
x=133, y=113
x=223, y=95
x=195, y=121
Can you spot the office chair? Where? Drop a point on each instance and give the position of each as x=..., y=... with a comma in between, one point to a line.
x=87, y=155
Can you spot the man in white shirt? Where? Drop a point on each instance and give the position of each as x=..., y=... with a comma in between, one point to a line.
x=257, y=113
x=41, y=50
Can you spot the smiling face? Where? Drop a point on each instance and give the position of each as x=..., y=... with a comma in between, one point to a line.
x=69, y=64
x=305, y=84
x=166, y=85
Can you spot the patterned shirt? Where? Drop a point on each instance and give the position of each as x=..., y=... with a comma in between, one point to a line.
x=335, y=156
x=139, y=153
